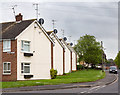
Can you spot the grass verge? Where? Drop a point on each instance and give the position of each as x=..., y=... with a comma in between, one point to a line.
x=74, y=77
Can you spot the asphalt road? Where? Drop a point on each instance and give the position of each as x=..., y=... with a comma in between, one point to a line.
x=111, y=88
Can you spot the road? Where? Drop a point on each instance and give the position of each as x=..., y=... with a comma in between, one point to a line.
x=111, y=88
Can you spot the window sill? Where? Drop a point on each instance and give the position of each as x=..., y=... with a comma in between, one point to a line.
x=22, y=74
x=6, y=51
x=26, y=52
x=6, y=73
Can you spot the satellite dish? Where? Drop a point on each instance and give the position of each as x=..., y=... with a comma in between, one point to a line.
x=65, y=38
x=41, y=21
x=71, y=44
x=55, y=31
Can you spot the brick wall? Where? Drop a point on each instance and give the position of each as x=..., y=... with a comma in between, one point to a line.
x=7, y=57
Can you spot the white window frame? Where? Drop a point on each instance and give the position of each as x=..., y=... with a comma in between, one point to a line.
x=7, y=49
x=22, y=45
x=7, y=68
x=22, y=71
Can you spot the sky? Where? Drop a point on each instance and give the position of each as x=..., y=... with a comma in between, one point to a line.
x=99, y=19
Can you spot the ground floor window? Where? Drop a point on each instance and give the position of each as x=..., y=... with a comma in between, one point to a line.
x=6, y=68
x=25, y=67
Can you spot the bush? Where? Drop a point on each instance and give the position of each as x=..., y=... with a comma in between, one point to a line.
x=53, y=73
x=80, y=67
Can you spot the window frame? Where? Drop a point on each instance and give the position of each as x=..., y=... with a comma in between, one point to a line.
x=22, y=45
x=22, y=70
x=6, y=49
x=7, y=68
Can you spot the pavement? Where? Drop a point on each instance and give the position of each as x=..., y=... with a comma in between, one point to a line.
x=109, y=78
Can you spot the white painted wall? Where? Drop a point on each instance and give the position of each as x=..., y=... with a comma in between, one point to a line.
x=41, y=60
x=67, y=59
x=73, y=61
x=58, y=58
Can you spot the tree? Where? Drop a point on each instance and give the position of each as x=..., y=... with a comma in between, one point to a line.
x=117, y=60
x=89, y=50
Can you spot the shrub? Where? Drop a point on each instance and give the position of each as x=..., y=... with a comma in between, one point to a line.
x=53, y=73
x=79, y=67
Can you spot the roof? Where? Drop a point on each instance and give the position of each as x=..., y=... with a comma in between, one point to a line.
x=60, y=39
x=65, y=44
x=72, y=49
x=10, y=30
x=49, y=32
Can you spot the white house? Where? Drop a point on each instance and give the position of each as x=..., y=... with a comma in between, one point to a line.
x=58, y=53
x=74, y=58
x=26, y=49
x=68, y=57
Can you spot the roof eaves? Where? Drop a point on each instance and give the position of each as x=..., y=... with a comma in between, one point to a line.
x=44, y=31
x=58, y=40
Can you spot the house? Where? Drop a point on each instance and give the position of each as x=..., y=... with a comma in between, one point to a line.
x=26, y=50
x=68, y=57
x=74, y=58
x=58, y=53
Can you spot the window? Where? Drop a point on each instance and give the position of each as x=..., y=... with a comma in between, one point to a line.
x=25, y=67
x=6, y=45
x=6, y=68
x=25, y=46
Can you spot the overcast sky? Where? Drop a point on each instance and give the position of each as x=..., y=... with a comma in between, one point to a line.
x=99, y=19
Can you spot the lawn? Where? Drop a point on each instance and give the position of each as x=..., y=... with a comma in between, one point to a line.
x=74, y=77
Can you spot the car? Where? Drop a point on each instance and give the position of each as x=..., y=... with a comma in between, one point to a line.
x=113, y=69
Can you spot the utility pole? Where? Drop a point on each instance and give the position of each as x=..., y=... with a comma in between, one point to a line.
x=36, y=9
x=13, y=8
x=53, y=22
x=102, y=56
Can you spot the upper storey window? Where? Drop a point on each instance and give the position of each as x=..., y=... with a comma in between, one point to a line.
x=6, y=45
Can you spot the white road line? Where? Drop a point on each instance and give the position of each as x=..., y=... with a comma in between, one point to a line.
x=115, y=80
x=83, y=91
x=94, y=89
x=98, y=87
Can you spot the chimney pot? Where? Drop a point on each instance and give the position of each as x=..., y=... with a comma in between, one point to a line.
x=19, y=17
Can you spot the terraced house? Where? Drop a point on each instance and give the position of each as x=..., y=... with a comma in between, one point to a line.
x=74, y=58
x=26, y=50
x=58, y=53
x=29, y=51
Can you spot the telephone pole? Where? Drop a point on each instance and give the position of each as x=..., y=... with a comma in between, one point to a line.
x=102, y=56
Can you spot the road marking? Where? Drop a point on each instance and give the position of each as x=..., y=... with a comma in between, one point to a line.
x=115, y=80
x=94, y=89
x=97, y=88
x=83, y=91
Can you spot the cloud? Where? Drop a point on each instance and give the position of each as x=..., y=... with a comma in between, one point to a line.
x=76, y=18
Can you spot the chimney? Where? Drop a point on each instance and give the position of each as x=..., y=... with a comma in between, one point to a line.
x=19, y=17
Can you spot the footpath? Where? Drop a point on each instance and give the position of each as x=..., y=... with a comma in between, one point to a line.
x=109, y=78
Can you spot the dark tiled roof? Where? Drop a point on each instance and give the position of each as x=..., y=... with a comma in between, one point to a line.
x=10, y=30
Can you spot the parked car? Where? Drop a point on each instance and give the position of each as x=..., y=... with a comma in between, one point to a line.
x=99, y=67
x=113, y=69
